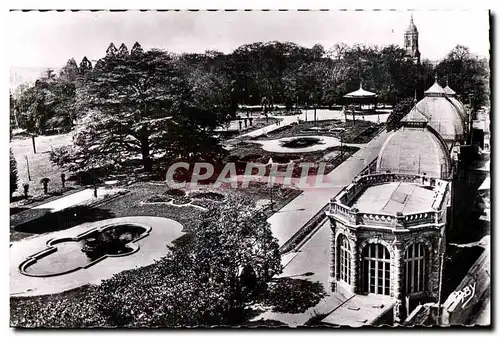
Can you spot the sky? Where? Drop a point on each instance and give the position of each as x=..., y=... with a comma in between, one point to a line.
x=49, y=39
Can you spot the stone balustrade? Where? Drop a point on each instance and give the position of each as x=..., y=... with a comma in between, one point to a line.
x=351, y=192
x=385, y=220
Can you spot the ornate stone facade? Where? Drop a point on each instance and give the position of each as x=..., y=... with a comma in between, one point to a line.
x=397, y=255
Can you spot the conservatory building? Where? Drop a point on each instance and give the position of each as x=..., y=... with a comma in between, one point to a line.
x=388, y=228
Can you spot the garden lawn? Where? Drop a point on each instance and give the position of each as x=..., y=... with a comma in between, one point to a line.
x=40, y=165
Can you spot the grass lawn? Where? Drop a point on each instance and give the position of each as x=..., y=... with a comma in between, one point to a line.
x=26, y=311
x=39, y=163
x=135, y=203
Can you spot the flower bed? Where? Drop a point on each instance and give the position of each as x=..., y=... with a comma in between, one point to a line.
x=176, y=193
x=181, y=201
x=207, y=195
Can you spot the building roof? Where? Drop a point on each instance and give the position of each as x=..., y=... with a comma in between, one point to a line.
x=360, y=310
x=435, y=90
x=443, y=116
x=360, y=93
x=414, y=116
x=449, y=91
x=415, y=149
x=391, y=198
x=460, y=107
x=411, y=28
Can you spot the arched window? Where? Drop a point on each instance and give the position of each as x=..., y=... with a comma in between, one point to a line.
x=415, y=263
x=344, y=259
x=376, y=269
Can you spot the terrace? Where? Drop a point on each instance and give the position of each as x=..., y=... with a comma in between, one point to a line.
x=391, y=200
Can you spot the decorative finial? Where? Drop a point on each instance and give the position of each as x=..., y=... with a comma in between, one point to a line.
x=436, y=76
x=447, y=81
x=415, y=97
x=411, y=18
x=361, y=83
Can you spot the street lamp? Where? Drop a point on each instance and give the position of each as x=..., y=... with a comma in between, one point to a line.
x=342, y=144
x=28, y=167
x=270, y=177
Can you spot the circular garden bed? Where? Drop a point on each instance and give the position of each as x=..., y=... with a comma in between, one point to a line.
x=302, y=142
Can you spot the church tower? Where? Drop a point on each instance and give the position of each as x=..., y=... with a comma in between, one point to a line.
x=411, y=42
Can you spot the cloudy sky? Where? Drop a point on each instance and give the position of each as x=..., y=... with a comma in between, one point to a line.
x=49, y=39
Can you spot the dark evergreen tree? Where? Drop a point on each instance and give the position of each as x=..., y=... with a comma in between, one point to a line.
x=85, y=66
x=111, y=51
x=123, y=51
x=136, y=49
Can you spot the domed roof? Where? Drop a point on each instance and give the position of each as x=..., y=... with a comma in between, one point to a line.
x=411, y=28
x=415, y=148
x=450, y=93
x=443, y=116
x=435, y=90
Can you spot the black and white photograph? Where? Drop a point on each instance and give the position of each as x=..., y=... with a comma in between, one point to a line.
x=249, y=168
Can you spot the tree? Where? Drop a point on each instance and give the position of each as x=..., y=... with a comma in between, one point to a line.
x=233, y=236
x=13, y=173
x=36, y=105
x=139, y=104
x=400, y=110
x=467, y=75
x=198, y=284
x=123, y=51
x=14, y=123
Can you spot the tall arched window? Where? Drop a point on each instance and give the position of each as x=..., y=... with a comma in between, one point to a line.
x=376, y=269
x=344, y=264
x=415, y=263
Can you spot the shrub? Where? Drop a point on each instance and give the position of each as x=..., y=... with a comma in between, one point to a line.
x=45, y=183
x=175, y=193
x=208, y=195
x=293, y=295
x=13, y=173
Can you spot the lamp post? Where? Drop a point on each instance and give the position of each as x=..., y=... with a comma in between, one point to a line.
x=342, y=144
x=271, y=181
x=28, y=167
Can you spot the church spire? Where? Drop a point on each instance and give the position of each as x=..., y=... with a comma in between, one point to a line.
x=411, y=41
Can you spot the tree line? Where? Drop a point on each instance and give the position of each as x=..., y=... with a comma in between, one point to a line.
x=155, y=103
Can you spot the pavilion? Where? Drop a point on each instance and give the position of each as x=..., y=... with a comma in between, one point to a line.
x=364, y=99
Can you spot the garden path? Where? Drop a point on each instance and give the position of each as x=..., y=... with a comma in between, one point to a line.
x=286, y=222
x=78, y=198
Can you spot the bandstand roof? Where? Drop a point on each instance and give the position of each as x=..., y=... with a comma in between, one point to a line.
x=361, y=93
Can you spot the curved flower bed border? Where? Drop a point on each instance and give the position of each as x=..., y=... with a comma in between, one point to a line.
x=190, y=203
x=171, y=203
